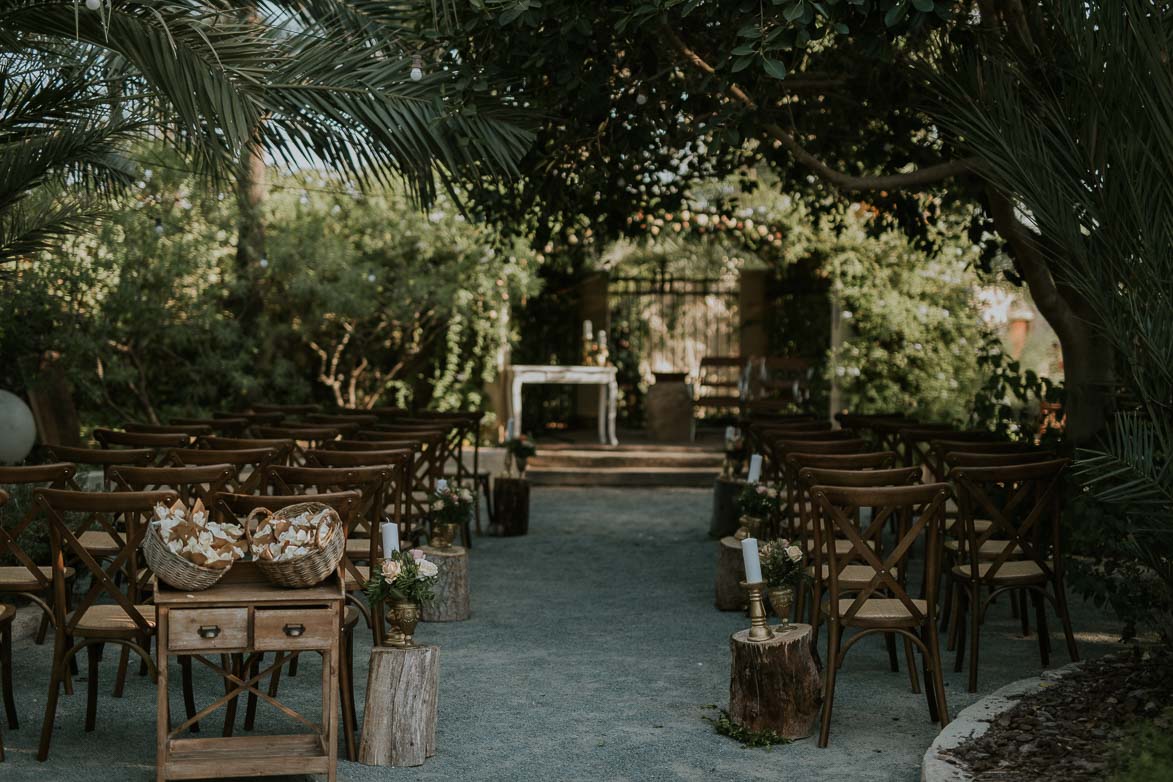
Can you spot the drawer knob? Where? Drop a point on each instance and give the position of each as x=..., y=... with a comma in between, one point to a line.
x=293, y=631
x=209, y=631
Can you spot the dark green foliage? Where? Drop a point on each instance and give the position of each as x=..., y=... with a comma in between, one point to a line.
x=746, y=737
x=1146, y=755
x=35, y=540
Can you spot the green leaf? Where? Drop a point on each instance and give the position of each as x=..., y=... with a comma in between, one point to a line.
x=774, y=68
x=750, y=31
x=741, y=63
x=795, y=11
x=744, y=49
x=924, y=6
x=895, y=14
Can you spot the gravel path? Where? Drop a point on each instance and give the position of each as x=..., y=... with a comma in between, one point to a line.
x=593, y=652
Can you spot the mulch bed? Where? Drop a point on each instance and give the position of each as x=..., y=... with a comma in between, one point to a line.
x=1068, y=731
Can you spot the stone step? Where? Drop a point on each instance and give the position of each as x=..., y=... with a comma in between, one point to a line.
x=624, y=476
x=599, y=459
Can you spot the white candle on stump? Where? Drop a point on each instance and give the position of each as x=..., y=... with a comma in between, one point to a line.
x=588, y=330
x=390, y=532
x=753, y=565
x=755, y=468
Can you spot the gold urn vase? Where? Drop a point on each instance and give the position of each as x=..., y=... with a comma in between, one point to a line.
x=443, y=533
x=751, y=527
x=781, y=600
x=402, y=617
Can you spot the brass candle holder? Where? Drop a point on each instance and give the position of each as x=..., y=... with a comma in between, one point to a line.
x=758, y=629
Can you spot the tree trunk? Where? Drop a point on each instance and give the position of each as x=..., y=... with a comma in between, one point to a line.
x=399, y=721
x=775, y=684
x=450, y=595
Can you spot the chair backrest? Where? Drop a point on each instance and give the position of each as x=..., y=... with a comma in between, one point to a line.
x=415, y=446
x=288, y=410
x=353, y=417
x=1023, y=504
x=283, y=448
x=395, y=491
x=248, y=464
x=918, y=511
x=797, y=490
x=57, y=476
x=102, y=459
x=254, y=418
x=305, y=437
x=429, y=464
x=966, y=458
x=193, y=430
x=202, y=482
x=918, y=443
x=70, y=514
x=109, y=438
x=232, y=427
x=372, y=482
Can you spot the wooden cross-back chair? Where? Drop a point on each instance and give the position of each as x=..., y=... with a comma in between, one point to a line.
x=305, y=437
x=288, y=411
x=867, y=424
x=110, y=439
x=362, y=418
x=369, y=547
x=886, y=433
x=757, y=430
x=247, y=464
x=917, y=445
x=770, y=438
x=464, y=426
x=283, y=448
x=205, y=482
x=192, y=430
x=124, y=620
x=28, y=578
x=7, y=614
x=777, y=445
x=99, y=458
x=883, y=604
x=851, y=576
x=236, y=508
x=231, y=427
x=253, y=417
x=1023, y=504
x=428, y=467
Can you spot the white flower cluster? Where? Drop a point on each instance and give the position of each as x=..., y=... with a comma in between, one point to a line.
x=425, y=568
x=196, y=538
x=279, y=540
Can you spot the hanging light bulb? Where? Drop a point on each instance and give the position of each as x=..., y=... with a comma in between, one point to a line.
x=264, y=263
x=417, y=67
x=93, y=5
x=159, y=226
x=641, y=98
x=371, y=277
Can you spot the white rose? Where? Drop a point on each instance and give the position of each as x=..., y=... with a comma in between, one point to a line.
x=795, y=553
x=428, y=569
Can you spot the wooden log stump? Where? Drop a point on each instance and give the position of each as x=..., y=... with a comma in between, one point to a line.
x=399, y=721
x=450, y=595
x=775, y=685
x=511, y=506
x=730, y=574
x=725, y=519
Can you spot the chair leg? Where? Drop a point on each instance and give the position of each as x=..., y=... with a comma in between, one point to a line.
x=6, y=676
x=964, y=599
x=938, y=681
x=1065, y=618
x=1024, y=615
x=188, y=691
x=123, y=664
x=975, y=625
x=346, y=694
x=56, y=675
x=466, y=531
x=954, y=614
x=94, y=653
x=927, y=669
x=890, y=642
x=42, y=629
x=910, y=660
x=829, y=681
x=1041, y=627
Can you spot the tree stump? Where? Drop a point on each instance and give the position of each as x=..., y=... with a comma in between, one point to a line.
x=730, y=574
x=669, y=411
x=511, y=505
x=725, y=520
x=399, y=721
x=449, y=601
x=775, y=685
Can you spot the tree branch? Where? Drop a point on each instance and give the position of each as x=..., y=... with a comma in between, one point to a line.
x=848, y=182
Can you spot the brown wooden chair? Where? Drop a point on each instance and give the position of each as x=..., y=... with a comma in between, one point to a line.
x=304, y=437
x=230, y=427
x=193, y=430
x=917, y=442
x=465, y=428
x=428, y=468
x=27, y=578
x=288, y=410
x=361, y=418
x=124, y=620
x=779, y=445
x=7, y=614
x=248, y=464
x=283, y=448
x=884, y=605
x=99, y=458
x=1022, y=503
x=886, y=433
x=365, y=542
x=236, y=508
x=253, y=417
x=109, y=438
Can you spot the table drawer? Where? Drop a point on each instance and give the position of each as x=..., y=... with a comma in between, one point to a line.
x=276, y=629
x=196, y=629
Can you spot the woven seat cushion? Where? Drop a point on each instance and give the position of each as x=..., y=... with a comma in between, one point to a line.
x=991, y=549
x=980, y=526
x=111, y=620
x=1015, y=572
x=7, y=613
x=842, y=547
x=350, y=617
x=851, y=576
x=17, y=578
x=358, y=548
x=880, y=612
x=99, y=543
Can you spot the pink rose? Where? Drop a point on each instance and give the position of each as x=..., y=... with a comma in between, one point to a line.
x=391, y=569
x=417, y=555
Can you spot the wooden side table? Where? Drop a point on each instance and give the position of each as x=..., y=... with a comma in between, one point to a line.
x=246, y=614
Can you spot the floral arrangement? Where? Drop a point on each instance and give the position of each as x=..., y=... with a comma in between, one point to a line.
x=451, y=504
x=195, y=537
x=782, y=563
x=520, y=447
x=758, y=500
x=278, y=539
x=405, y=575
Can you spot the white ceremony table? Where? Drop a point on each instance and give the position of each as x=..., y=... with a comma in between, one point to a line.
x=604, y=377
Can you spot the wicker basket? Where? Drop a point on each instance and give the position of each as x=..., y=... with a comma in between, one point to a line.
x=173, y=569
x=309, y=569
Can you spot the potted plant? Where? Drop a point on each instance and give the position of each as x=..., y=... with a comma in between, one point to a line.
x=404, y=580
x=451, y=506
x=784, y=569
x=519, y=450
x=756, y=503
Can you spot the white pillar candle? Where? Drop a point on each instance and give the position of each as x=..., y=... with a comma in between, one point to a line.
x=602, y=338
x=755, y=468
x=729, y=433
x=390, y=532
x=588, y=330
x=441, y=485
x=509, y=429
x=753, y=565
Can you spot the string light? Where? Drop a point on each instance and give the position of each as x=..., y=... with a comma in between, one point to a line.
x=417, y=67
